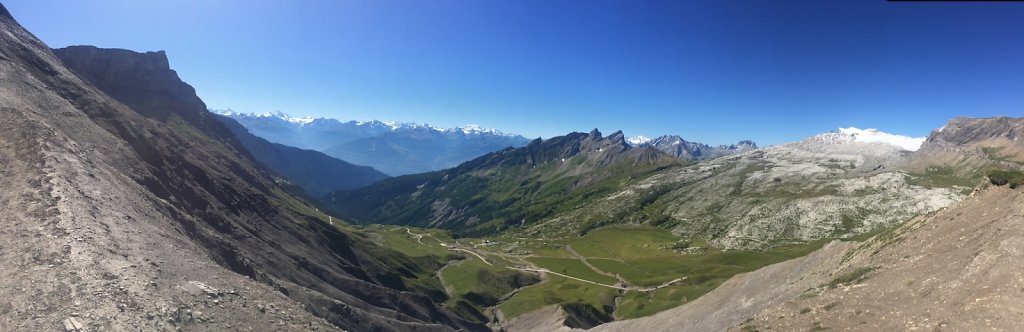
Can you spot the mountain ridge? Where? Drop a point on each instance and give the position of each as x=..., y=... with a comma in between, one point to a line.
x=580, y=164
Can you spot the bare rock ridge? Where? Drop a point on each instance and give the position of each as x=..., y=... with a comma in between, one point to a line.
x=963, y=131
x=134, y=211
x=144, y=82
x=969, y=144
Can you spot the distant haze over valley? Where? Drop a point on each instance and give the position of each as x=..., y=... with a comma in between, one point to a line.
x=395, y=148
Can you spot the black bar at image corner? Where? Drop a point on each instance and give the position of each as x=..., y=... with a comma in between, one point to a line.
x=955, y=0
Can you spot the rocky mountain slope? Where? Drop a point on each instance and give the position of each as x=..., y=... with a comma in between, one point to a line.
x=967, y=146
x=138, y=212
x=822, y=187
x=394, y=148
x=508, y=188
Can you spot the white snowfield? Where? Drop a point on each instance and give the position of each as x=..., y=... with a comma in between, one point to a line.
x=872, y=135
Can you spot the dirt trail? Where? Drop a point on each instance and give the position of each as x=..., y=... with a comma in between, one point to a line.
x=592, y=267
x=419, y=237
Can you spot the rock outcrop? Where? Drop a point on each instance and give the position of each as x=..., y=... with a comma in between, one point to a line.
x=969, y=144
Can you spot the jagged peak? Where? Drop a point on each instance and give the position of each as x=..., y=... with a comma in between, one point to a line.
x=595, y=133
x=618, y=138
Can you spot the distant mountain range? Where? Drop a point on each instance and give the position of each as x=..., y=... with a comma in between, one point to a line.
x=683, y=149
x=399, y=148
x=315, y=172
x=395, y=148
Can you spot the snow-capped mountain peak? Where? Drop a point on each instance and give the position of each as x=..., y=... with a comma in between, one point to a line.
x=470, y=129
x=280, y=115
x=637, y=140
x=871, y=135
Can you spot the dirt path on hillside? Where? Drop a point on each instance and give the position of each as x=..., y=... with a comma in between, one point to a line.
x=537, y=269
x=592, y=267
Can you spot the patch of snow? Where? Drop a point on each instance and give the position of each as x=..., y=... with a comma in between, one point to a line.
x=871, y=135
x=874, y=135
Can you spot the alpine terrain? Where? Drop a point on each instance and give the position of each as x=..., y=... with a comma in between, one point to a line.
x=130, y=205
x=954, y=269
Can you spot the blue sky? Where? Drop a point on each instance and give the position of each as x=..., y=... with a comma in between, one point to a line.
x=711, y=71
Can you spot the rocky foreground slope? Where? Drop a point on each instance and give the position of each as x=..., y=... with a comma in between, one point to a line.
x=957, y=270
x=137, y=212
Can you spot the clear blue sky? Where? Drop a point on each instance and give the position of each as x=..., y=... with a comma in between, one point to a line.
x=712, y=71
